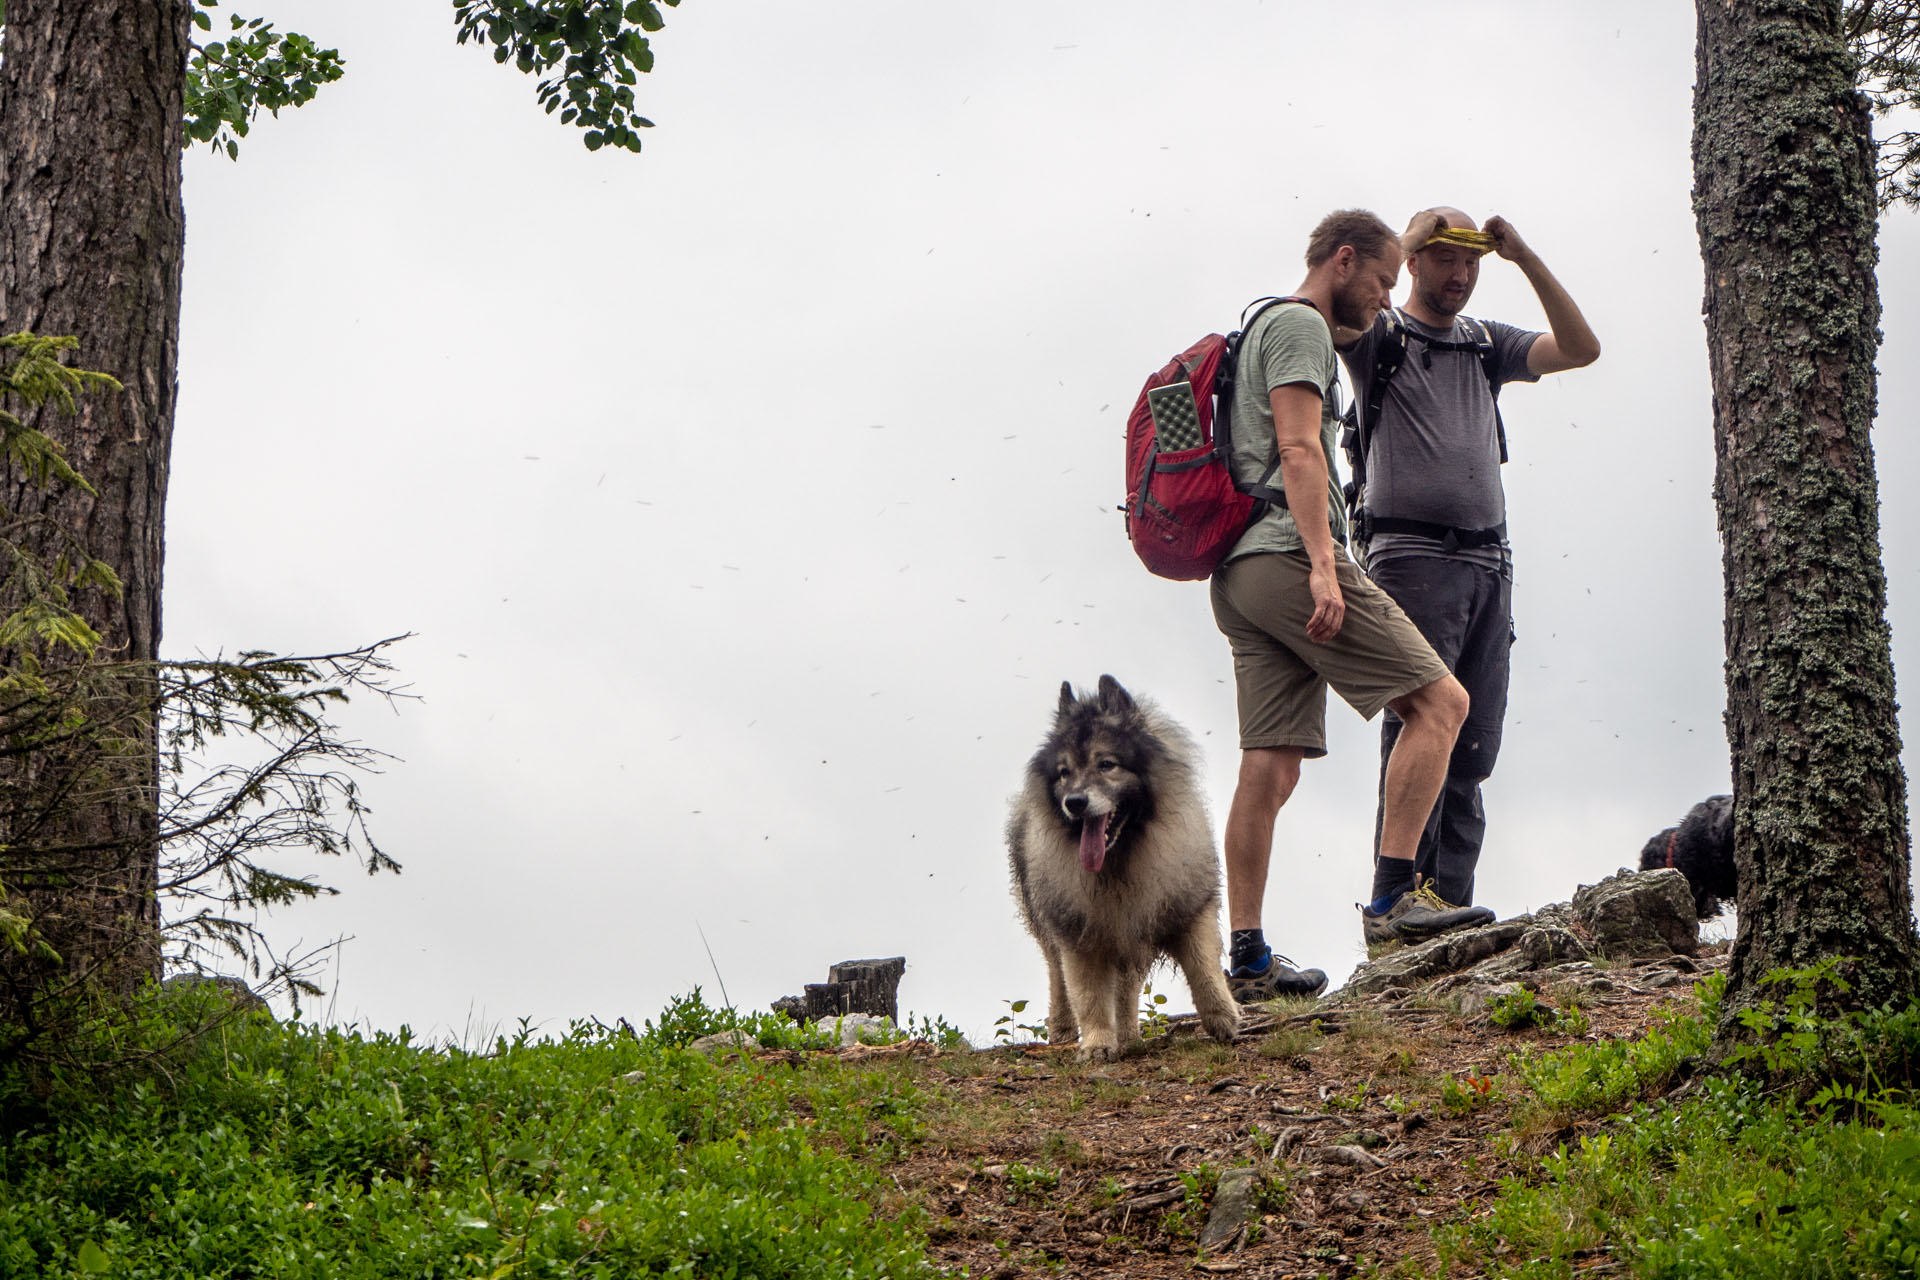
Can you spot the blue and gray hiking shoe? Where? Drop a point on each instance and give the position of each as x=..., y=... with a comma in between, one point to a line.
x=1272, y=978
x=1417, y=915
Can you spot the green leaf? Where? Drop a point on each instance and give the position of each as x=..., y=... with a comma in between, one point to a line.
x=93, y=1259
x=580, y=51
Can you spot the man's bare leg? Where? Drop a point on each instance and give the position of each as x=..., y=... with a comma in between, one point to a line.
x=1432, y=716
x=1268, y=776
x=1415, y=772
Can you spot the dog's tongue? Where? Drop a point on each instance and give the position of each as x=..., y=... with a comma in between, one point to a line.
x=1093, y=841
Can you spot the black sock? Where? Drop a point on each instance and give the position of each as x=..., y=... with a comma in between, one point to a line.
x=1245, y=947
x=1392, y=877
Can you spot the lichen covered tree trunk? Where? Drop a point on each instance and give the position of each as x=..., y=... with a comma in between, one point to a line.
x=1784, y=199
x=91, y=236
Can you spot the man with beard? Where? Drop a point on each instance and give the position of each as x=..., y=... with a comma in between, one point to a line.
x=1432, y=528
x=1300, y=615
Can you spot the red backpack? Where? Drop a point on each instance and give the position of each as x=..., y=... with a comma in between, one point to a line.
x=1184, y=509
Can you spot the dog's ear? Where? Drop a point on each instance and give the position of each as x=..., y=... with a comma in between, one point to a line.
x=1066, y=697
x=1113, y=699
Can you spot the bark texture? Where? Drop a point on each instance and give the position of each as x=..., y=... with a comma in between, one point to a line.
x=91, y=240
x=1784, y=200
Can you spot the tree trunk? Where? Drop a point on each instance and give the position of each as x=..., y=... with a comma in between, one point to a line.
x=1784, y=198
x=91, y=238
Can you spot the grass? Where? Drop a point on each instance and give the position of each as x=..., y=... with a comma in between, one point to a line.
x=1811, y=1168
x=256, y=1149
x=297, y=1152
x=1733, y=1183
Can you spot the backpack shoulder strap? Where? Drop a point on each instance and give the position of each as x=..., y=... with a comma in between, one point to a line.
x=1265, y=490
x=1483, y=342
x=1387, y=361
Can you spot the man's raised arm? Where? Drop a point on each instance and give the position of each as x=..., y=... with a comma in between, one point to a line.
x=1570, y=342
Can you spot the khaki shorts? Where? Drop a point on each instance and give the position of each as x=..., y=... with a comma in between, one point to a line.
x=1261, y=604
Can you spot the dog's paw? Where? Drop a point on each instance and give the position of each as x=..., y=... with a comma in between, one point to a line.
x=1062, y=1031
x=1223, y=1026
x=1099, y=1051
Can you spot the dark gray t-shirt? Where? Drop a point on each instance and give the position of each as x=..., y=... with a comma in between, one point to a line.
x=1286, y=344
x=1435, y=453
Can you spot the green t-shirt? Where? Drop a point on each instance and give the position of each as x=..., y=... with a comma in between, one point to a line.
x=1286, y=344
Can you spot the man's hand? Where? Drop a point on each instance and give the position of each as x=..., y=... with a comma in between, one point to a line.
x=1329, y=606
x=1506, y=241
x=1420, y=230
x=1570, y=342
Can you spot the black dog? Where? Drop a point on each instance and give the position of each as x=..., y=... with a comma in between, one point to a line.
x=1701, y=849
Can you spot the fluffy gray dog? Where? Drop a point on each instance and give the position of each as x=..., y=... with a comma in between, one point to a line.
x=1114, y=866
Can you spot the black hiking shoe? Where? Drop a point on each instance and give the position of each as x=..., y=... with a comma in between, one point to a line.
x=1274, y=979
x=1419, y=914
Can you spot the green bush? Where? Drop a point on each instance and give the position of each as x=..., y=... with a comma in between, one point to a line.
x=295, y=1152
x=1517, y=1011
x=1733, y=1183
x=1610, y=1075
x=688, y=1018
x=1747, y=1179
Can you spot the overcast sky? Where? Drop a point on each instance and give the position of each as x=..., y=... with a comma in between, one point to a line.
x=749, y=498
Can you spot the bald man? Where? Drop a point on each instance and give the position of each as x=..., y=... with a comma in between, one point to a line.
x=1433, y=524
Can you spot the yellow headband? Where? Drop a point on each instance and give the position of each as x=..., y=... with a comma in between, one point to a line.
x=1479, y=241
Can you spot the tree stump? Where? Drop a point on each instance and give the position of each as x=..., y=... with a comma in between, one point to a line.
x=874, y=985
x=871, y=987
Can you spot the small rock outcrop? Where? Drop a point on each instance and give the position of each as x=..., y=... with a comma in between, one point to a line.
x=1633, y=916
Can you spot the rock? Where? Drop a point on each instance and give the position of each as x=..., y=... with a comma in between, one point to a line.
x=847, y=1028
x=1545, y=945
x=1232, y=1209
x=1356, y=1157
x=1632, y=915
x=1638, y=913
x=238, y=993
x=1503, y=968
x=1480, y=998
x=1558, y=915
x=722, y=1041
x=1449, y=953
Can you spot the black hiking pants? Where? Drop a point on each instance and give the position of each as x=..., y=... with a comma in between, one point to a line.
x=1465, y=611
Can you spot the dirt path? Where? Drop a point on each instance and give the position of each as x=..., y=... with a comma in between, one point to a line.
x=1365, y=1125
